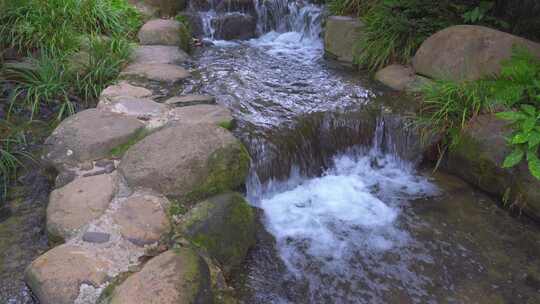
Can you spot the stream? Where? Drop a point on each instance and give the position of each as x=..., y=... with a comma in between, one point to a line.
x=348, y=212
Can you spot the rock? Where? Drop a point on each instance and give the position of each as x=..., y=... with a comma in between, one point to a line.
x=189, y=100
x=173, y=277
x=195, y=23
x=160, y=32
x=147, y=54
x=56, y=276
x=78, y=203
x=122, y=89
x=146, y=8
x=467, y=52
x=88, y=135
x=142, y=219
x=224, y=225
x=340, y=36
x=234, y=26
x=478, y=159
x=401, y=78
x=200, y=5
x=142, y=108
x=188, y=161
x=203, y=113
x=243, y=6
x=96, y=237
x=156, y=72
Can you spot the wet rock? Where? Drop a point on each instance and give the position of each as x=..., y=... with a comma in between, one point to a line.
x=78, y=203
x=467, y=52
x=243, y=6
x=123, y=89
x=142, y=108
x=401, y=78
x=88, y=135
x=478, y=159
x=156, y=72
x=142, y=219
x=340, y=36
x=160, y=32
x=200, y=5
x=189, y=100
x=159, y=54
x=204, y=113
x=234, y=26
x=224, y=225
x=195, y=23
x=96, y=237
x=56, y=276
x=65, y=177
x=189, y=161
x=175, y=276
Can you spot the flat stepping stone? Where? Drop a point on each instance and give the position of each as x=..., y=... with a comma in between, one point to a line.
x=142, y=108
x=142, y=219
x=175, y=276
x=88, y=135
x=203, y=113
x=78, y=203
x=186, y=160
x=123, y=89
x=156, y=71
x=189, y=100
x=56, y=276
x=159, y=54
x=160, y=32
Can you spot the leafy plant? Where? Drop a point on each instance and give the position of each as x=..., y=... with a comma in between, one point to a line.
x=12, y=142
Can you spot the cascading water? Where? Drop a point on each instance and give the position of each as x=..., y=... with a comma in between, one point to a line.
x=347, y=217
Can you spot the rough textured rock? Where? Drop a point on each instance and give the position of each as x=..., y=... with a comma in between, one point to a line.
x=142, y=219
x=56, y=276
x=189, y=161
x=478, y=159
x=195, y=23
x=234, y=26
x=122, y=89
x=173, y=277
x=156, y=72
x=340, y=35
x=142, y=108
x=224, y=225
x=244, y=6
x=203, y=113
x=189, y=100
x=78, y=203
x=401, y=78
x=467, y=52
x=88, y=135
x=159, y=54
x=160, y=32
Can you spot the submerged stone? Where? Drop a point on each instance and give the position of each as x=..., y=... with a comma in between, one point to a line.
x=188, y=100
x=96, y=237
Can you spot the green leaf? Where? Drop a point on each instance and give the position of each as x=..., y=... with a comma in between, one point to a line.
x=520, y=138
x=534, y=139
x=531, y=110
x=534, y=163
x=513, y=158
x=511, y=116
x=528, y=124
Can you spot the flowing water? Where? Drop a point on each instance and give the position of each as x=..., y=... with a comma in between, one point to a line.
x=347, y=214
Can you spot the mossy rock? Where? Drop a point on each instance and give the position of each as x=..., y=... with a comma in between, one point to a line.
x=224, y=226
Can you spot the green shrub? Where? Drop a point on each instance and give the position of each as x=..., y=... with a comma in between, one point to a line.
x=12, y=141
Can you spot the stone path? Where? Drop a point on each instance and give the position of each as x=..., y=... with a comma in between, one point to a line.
x=144, y=209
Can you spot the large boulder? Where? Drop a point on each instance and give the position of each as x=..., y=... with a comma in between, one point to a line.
x=88, y=135
x=467, y=52
x=224, y=226
x=177, y=276
x=478, y=159
x=160, y=32
x=340, y=36
x=56, y=276
x=159, y=54
x=195, y=22
x=235, y=26
x=188, y=161
x=78, y=203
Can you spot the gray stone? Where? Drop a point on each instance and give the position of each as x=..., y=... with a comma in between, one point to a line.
x=243, y=6
x=78, y=203
x=401, y=78
x=340, y=36
x=159, y=54
x=160, y=32
x=234, y=26
x=156, y=72
x=96, y=237
x=88, y=135
x=142, y=108
x=467, y=52
x=123, y=89
x=189, y=161
x=188, y=100
x=176, y=276
x=56, y=276
x=203, y=113
x=195, y=23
